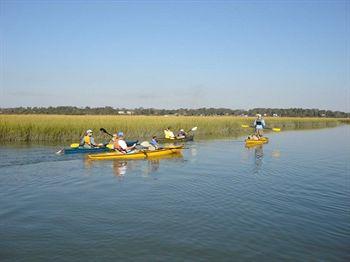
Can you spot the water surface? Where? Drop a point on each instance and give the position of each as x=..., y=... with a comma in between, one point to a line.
x=287, y=200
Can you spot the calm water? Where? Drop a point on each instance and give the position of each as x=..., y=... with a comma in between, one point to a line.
x=287, y=200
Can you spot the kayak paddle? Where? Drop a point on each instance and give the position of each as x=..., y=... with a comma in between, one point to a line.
x=275, y=129
x=192, y=129
x=105, y=131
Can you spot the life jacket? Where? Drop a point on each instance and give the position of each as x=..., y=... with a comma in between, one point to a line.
x=85, y=140
x=169, y=134
x=258, y=123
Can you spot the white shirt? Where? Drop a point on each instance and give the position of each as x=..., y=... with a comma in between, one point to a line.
x=122, y=144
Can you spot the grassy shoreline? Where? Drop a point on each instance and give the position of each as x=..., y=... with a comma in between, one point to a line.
x=68, y=128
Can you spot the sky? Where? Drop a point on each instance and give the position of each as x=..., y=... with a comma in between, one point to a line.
x=175, y=54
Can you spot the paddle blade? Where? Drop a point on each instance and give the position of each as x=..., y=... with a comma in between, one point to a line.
x=244, y=126
x=74, y=145
x=276, y=129
x=59, y=152
x=194, y=128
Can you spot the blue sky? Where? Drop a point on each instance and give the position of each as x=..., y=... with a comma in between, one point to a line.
x=171, y=54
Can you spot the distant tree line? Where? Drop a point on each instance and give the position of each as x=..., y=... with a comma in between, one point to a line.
x=72, y=110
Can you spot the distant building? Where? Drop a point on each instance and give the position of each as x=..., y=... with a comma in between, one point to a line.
x=275, y=115
x=121, y=112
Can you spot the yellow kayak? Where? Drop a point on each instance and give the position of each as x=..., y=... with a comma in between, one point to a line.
x=262, y=140
x=142, y=154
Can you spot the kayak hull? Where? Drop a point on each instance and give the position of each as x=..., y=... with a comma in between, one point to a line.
x=262, y=140
x=168, y=140
x=84, y=150
x=138, y=155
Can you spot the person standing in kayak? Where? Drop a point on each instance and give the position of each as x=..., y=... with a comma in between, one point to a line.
x=121, y=145
x=88, y=140
x=259, y=125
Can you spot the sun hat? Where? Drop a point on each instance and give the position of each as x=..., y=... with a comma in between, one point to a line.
x=89, y=131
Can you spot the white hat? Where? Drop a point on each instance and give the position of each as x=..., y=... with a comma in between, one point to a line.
x=89, y=131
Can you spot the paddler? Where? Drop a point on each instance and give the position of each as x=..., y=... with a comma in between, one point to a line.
x=168, y=133
x=88, y=140
x=253, y=137
x=120, y=145
x=154, y=142
x=259, y=125
x=181, y=134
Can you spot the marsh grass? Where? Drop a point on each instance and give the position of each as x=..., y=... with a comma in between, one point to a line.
x=68, y=128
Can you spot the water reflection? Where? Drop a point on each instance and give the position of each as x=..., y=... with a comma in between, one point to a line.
x=146, y=167
x=153, y=163
x=258, y=157
x=276, y=153
x=119, y=168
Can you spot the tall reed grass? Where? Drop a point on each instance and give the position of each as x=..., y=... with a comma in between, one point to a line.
x=67, y=128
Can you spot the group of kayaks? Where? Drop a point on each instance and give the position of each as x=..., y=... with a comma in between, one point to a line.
x=106, y=153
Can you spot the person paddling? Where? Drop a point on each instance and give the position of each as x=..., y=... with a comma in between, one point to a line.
x=168, y=133
x=253, y=137
x=181, y=134
x=259, y=125
x=154, y=142
x=120, y=145
x=88, y=140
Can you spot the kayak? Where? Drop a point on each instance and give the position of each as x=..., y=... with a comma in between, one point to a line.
x=84, y=150
x=139, y=154
x=262, y=140
x=168, y=140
